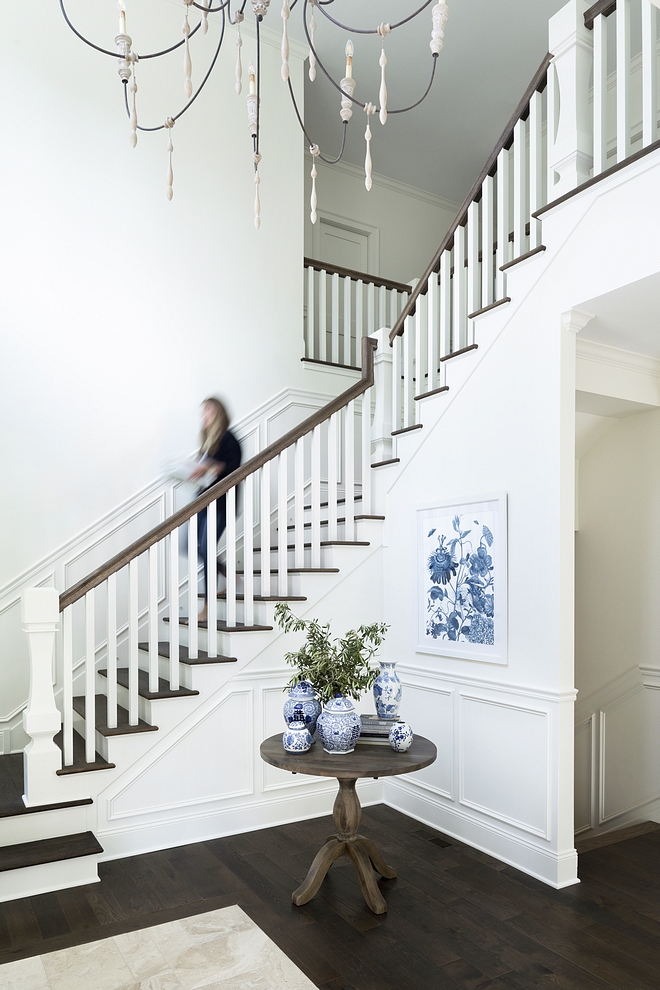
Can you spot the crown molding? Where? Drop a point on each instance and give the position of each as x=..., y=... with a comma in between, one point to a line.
x=394, y=185
x=616, y=357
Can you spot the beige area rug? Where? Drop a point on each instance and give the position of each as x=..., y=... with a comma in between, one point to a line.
x=221, y=950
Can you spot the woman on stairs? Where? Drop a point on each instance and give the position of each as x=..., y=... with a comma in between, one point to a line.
x=219, y=455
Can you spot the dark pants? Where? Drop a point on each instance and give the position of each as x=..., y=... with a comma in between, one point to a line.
x=221, y=522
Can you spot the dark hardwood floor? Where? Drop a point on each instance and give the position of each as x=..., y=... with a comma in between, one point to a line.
x=456, y=919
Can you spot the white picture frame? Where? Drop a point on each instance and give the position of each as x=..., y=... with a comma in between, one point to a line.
x=462, y=579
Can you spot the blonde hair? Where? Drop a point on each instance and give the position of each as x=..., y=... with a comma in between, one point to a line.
x=211, y=434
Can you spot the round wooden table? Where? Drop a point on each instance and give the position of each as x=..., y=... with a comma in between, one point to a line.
x=366, y=761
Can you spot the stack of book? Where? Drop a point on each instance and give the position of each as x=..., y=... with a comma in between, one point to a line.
x=375, y=730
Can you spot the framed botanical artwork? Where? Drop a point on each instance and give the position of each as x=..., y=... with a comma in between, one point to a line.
x=462, y=579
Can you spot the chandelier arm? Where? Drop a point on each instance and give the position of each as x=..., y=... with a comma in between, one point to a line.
x=352, y=98
x=104, y=51
x=320, y=4
x=195, y=94
x=210, y=10
x=328, y=161
x=238, y=11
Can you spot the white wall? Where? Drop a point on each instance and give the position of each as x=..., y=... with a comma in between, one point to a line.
x=121, y=311
x=408, y=223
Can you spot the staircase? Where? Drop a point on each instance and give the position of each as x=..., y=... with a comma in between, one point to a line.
x=160, y=712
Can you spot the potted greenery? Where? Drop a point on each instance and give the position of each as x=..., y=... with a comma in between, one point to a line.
x=340, y=670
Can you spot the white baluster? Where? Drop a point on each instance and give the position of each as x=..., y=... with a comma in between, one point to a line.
x=333, y=448
x=349, y=470
x=316, y=497
x=153, y=618
x=282, y=531
x=502, y=255
x=445, y=304
x=649, y=73
x=346, y=359
x=310, y=348
x=458, y=338
x=371, y=308
x=323, y=316
x=359, y=317
x=211, y=551
x=67, y=685
x=382, y=306
x=173, y=549
x=397, y=413
x=473, y=273
x=265, y=530
x=408, y=344
x=41, y=718
x=519, y=188
x=133, y=642
x=90, y=679
x=432, y=333
x=193, y=632
x=334, y=317
x=385, y=399
x=248, y=550
x=487, y=241
x=600, y=94
x=112, y=651
x=299, y=505
x=365, y=480
x=622, y=79
x=230, y=564
x=536, y=170
x=419, y=384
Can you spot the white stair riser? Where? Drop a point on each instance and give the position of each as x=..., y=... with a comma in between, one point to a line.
x=44, y=825
x=41, y=879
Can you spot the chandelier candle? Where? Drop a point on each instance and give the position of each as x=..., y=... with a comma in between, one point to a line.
x=122, y=17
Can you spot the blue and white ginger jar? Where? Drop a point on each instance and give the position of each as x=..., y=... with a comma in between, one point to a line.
x=338, y=726
x=296, y=738
x=401, y=737
x=387, y=690
x=302, y=703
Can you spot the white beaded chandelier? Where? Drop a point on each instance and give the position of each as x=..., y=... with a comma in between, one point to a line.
x=128, y=60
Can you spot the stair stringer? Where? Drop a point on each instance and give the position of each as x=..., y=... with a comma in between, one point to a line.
x=506, y=425
x=239, y=705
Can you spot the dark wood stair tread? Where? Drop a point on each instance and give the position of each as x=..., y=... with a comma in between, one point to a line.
x=323, y=543
x=101, y=717
x=340, y=501
x=203, y=657
x=222, y=596
x=301, y=570
x=12, y=788
x=164, y=690
x=48, y=851
x=79, y=764
x=341, y=519
x=222, y=626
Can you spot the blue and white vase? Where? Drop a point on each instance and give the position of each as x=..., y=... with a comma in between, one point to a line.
x=387, y=690
x=296, y=738
x=401, y=737
x=338, y=726
x=302, y=703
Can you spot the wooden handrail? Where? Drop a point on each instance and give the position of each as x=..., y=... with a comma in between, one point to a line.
x=605, y=7
x=538, y=83
x=322, y=266
x=369, y=345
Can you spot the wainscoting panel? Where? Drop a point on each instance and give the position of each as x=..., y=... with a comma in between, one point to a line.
x=504, y=762
x=430, y=711
x=583, y=779
x=629, y=747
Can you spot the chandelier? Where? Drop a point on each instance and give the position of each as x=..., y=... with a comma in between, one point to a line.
x=128, y=60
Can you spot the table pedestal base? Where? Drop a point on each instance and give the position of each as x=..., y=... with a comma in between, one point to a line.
x=362, y=852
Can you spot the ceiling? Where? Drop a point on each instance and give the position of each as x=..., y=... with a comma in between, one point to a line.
x=492, y=50
x=628, y=317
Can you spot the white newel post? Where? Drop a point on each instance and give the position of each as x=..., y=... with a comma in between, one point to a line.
x=570, y=136
x=40, y=613
x=381, y=434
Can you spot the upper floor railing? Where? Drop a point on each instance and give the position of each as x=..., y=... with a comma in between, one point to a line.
x=342, y=306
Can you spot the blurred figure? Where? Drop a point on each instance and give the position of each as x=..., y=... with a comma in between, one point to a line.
x=219, y=455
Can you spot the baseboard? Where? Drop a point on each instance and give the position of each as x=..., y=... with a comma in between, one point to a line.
x=555, y=869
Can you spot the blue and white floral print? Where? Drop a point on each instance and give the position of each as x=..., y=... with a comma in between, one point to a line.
x=461, y=599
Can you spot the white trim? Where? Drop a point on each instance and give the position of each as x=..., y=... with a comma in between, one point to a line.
x=490, y=684
x=616, y=357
